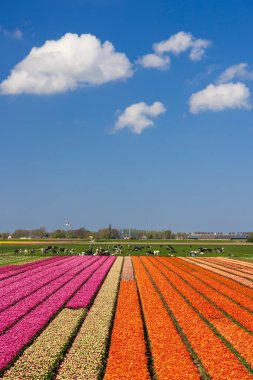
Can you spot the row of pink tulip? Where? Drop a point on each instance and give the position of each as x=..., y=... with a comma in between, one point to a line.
x=248, y=264
x=202, y=264
x=11, y=315
x=228, y=265
x=226, y=269
x=27, y=272
x=127, y=271
x=8, y=267
x=22, y=268
x=84, y=296
x=10, y=286
x=30, y=325
x=40, y=360
x=26, y=288
x=86, y=356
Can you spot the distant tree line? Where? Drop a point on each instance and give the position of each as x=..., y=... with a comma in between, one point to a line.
x=82, y=233
x=105, y=233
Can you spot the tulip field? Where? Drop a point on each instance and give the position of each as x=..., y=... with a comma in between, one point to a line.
x=140, y=317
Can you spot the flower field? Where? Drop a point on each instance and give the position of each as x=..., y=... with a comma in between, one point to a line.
x=71, y=318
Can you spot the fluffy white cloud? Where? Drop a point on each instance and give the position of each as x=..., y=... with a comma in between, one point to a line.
x=154, y=61
x=181, y=42
x=219, y=97
x=138, y=116
x=64, y=64
x=236, y=71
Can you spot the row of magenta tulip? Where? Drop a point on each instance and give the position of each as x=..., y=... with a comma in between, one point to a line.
x=86, y=356
x=13, y=292
x=27, y=290
x=199, y=295
x=10, y=272
x=11, y=281
x=85, y=294
x=11, y=315
x=19, y=335
x=14, y=262
x=217, y=359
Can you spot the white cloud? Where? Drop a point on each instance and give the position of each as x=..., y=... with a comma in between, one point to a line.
x=154, y=61
x=236, y=71
x=15, y=34
x=220, y=97
x=181, y=42
x=138, y=116
x=65, y=64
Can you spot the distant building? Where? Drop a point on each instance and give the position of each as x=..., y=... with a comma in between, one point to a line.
x=217, y=236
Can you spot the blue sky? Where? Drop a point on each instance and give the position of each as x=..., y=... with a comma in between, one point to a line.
x=116, y=141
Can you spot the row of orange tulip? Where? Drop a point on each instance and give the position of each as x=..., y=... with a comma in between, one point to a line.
x=240, y=280
x=225, y=289
x=127, y=355
x=167, y=347
x=235, y=311
x=217, y=359
x=238, y=338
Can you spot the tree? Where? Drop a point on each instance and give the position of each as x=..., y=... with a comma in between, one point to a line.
x=39, y=233
x=59, y=234
x=21, y=233
x=250, y=237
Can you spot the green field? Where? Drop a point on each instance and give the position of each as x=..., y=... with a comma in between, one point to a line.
x=235, y=249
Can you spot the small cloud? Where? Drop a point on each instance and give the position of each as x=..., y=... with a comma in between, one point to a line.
x=15, y=34
x=138, y=117
x=154, y=61
x=239, y=71
x=181, y=42
x=220, y=97
x=65, y=64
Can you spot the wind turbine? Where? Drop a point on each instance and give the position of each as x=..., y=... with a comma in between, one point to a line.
x=67, y=224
